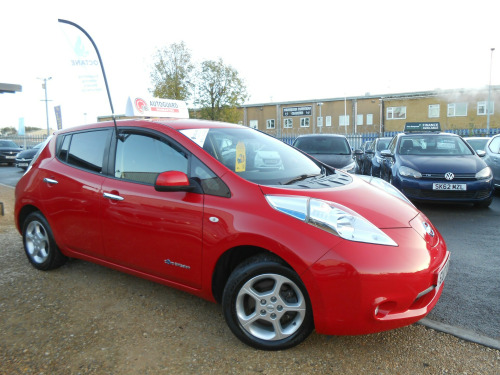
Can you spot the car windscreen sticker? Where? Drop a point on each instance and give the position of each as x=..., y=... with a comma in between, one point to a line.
x=240, y=165
x=198, y=136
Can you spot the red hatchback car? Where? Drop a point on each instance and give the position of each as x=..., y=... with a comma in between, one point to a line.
x=285, y=243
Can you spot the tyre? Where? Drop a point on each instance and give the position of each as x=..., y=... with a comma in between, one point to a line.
x=39, y=244
x=484, y=204
x=266, y=305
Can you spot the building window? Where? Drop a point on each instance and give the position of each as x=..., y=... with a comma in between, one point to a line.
x=288, y=123
x=344, y=120
x=457, y=109
x=434, y=110
x=254, y=124
x=359, y=120
x=320, y=122
x=304, y=122
x=270, y=124
x=396, y=113
x=328, y=120
x=481, y=108
x=369, y=119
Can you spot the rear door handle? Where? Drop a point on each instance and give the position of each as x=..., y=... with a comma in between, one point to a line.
x=50, y=181
x=113, y=197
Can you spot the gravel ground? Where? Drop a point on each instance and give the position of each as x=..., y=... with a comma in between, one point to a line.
x=86, y=319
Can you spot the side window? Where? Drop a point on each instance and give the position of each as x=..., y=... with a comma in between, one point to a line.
x=85, y=150
x=141, y=157
x=392, y=145
x=495, y=145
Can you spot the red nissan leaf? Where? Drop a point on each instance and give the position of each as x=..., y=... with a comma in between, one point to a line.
x=285, y=243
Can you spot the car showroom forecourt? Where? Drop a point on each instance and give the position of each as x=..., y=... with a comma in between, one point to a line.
x=285, y=247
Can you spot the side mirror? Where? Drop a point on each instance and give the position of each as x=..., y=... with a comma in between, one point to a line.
x=386, y=154
x=358, y=152
x=369, y=152
x=481, y=153
x=173, y=181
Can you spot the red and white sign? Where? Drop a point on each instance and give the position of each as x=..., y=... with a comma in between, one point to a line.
x=143, y=106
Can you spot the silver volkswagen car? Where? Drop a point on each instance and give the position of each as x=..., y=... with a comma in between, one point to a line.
x=492, y=158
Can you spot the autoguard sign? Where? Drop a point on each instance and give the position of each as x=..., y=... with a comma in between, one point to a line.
x=142, y=106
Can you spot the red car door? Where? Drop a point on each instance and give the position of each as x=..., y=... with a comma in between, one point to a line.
x=158, y=233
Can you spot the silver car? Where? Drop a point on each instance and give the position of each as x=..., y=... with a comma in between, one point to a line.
x=492, y=158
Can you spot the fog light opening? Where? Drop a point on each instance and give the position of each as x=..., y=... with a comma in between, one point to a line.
x=383, y=309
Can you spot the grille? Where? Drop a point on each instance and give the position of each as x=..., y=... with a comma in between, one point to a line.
x=440, y=176
x=446, y=194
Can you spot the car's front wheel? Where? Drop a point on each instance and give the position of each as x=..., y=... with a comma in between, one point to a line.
x=39, y=243
x=266, y=305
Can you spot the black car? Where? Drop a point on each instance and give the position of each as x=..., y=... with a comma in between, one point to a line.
x=331, y=149
x=364, y=158
x=8, y=151
x=23, y=159
x=373, y=158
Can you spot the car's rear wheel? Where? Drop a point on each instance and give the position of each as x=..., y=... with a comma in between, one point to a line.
x=39, y=243
x=266, y=305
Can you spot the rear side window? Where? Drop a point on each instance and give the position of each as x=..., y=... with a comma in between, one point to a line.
x=84, y=150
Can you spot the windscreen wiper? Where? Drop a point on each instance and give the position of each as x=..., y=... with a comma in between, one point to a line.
x=300, y=178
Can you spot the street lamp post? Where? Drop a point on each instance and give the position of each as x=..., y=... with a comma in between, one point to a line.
x=488, y=109
x=44, y=86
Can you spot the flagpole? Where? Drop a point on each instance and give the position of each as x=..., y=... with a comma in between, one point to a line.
x=102, y=67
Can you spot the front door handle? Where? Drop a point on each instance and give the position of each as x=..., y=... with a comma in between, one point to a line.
x=113, y=197
x=50, y=181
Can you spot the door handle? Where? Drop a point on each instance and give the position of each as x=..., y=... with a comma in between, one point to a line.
x=113, y=197
x=50, y=181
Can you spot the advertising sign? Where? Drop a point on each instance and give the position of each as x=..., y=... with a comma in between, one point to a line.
x=143, y=106
x=297, y=111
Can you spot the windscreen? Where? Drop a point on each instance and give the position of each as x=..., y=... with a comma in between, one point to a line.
x=254, y=156
x=439, y=144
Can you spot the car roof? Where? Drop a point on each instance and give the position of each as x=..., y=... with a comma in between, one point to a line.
x=321, y=135
x=176, y=124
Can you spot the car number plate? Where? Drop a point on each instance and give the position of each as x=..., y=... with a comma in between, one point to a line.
x=22, y=164
x=10, y=157
x=442, y=274
x=437, y=186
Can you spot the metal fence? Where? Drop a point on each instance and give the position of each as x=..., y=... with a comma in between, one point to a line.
x=25, y=141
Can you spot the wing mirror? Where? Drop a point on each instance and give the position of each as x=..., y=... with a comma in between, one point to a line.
x=173, y=181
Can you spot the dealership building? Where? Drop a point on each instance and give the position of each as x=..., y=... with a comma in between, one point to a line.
x=463, y=110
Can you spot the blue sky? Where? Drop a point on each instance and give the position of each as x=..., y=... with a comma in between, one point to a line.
x=284, y=50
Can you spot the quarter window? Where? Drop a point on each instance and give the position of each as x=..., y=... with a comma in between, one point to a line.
x=457, y=109
x=495, y=145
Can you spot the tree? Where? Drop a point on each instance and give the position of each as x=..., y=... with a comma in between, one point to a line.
x=219, y=91
x=171, y=73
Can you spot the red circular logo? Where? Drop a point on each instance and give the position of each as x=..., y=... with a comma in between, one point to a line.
x=141, y=105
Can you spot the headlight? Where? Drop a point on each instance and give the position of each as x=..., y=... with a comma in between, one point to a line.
x=351, y=167
x=331, y=217
x=384, y=185
x=484, y=173
x=409, y=172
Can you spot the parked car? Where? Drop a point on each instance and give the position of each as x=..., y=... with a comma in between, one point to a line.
x=492, y=158
x=8, y=151
x=23, y=159
x=373, y=157
x=194, y=205
x=478, y=143
x=361, y=159
x=432, y=166
x=331, y=149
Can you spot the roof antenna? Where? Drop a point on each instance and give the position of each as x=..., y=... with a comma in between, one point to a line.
x=103, y=72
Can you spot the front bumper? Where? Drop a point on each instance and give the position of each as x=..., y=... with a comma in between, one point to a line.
x=365, y=288
x=422, y=190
